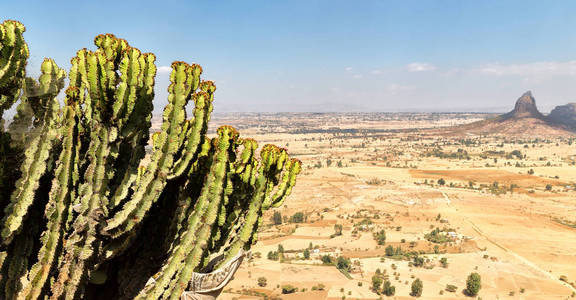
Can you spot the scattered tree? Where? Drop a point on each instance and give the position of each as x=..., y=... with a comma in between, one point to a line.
x=473, y=284
x=380, y=237
x=376, y=283
x=277, y=218
x=343, y=263
x=388, y=289
x=337, y=230
x=444, y=262
x=327, y=260
x=418, y=261
x=389, y=251
x=297, y=217
x=417, y=288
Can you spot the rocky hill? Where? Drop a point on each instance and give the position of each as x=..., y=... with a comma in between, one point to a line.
x=524, y=120
x=525, y=108
x=564, y=115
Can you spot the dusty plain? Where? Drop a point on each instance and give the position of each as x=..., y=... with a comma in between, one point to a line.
x=506, y=207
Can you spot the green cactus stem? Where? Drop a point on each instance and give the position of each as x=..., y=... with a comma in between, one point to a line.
x=89, y=209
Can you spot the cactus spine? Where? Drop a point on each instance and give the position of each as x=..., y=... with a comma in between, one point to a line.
x=74, y=178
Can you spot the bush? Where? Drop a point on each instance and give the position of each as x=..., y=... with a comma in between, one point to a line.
x=306, y=254
x=473, y=284
x=288, y=289
x=418, y=261
x=441, y=181
x=437, y=236
x=417, y=288
x=380, y=237
x=262, y=281
x=376, y=283
x=337, y=230
x=444, y=262
x=451, y=288
x=273, y=255
x=297, y=217
x=343, y=263
x=389, y=251
x=388, y=289
x=277, y=218
x=517, y=154
x=327, y=260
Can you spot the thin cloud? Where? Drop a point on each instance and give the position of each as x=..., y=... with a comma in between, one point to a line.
x=395, y=88
x=420, y=67
x=164, y=69
x=540, y=69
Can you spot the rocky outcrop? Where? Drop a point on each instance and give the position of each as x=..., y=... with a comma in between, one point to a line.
x=523, y=121
x=525, y=108
x=564, y=114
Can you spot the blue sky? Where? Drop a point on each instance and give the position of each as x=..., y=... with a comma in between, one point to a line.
x=333, y=55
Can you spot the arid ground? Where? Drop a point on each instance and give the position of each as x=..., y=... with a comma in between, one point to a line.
x=501, y=206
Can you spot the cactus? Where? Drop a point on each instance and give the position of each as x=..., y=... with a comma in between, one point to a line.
x=83, y=216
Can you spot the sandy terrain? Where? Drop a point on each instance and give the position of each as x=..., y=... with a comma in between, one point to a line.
x=512, y=216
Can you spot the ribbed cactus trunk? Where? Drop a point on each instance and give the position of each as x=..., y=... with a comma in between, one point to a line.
x=82, y=217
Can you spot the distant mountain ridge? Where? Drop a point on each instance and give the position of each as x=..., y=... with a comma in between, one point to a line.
x=565, y=115
x=525, y=120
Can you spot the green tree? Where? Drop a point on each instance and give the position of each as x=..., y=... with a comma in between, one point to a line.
x=388, y=289
x=418, y=261
x=444, y=262
x=297, y=217
x=376, y=283
x=306, y=254
x=273, y=255
x=277, y=218
x=337, y=229
x=416, y=288
x=389, y=250
x=380, y=237
x=473, y=284
x=441, y=181
x=343, y=263
x=327, y=260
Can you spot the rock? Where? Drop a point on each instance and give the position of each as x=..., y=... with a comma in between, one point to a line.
x=564, y=114
x=525, y=108
x=523, y=121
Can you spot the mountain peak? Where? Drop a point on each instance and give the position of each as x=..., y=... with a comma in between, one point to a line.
x=525, y=107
